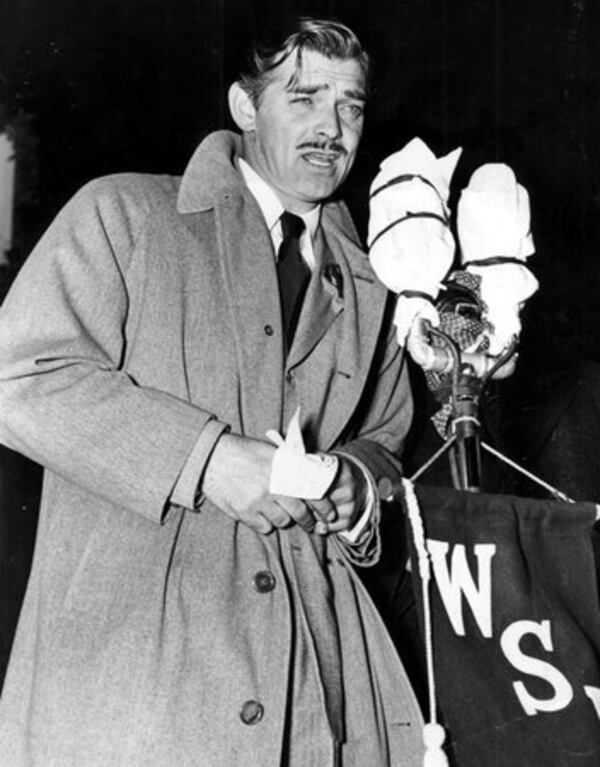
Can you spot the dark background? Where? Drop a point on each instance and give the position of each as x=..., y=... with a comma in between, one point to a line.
x=125, y=85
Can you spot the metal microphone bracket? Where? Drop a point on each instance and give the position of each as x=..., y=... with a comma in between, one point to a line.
x=463, y=441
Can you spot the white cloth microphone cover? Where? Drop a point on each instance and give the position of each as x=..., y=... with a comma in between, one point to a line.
x=411, y=246
x=493, y=222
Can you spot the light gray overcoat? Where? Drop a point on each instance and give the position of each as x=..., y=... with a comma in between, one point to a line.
x=148, y=315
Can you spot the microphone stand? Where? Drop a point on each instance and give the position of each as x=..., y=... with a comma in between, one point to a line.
x=464, y=443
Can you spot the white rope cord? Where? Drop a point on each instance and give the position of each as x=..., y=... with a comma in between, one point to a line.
x=433, y=732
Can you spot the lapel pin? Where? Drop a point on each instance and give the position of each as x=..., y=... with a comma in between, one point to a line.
x=333, y=275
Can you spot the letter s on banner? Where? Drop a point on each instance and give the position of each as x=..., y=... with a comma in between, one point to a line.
x=509, y=642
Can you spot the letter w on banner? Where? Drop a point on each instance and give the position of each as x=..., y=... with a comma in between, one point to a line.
x=516, y=628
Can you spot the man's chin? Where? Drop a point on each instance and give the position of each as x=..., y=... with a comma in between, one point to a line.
x=317, y=192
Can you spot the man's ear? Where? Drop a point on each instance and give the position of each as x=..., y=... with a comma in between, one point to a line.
x=241, y=107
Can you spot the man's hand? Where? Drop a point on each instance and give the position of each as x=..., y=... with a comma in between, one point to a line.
x=236, y=480
x=345, y=500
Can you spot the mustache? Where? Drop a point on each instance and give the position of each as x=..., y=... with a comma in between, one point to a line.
x=323, y=146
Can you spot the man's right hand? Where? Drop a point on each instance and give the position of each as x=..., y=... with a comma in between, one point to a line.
x=236, y=480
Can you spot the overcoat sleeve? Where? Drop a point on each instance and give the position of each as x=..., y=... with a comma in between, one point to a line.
x=382, y=420
x=379, y=430
x=66, y=400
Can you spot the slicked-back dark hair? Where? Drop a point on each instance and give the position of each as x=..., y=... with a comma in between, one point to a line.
x=327, y=37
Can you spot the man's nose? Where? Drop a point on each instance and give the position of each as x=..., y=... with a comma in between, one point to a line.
x=329, y=123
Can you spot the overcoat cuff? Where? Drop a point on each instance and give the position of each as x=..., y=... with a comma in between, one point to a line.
x=185, y=493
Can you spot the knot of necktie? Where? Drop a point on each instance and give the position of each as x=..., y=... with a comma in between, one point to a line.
x=292, y=226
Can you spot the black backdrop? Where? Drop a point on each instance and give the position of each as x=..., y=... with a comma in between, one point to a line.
x=133, y=85
x=115, y=85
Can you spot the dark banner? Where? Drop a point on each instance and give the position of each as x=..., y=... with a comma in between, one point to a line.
x=516, y=628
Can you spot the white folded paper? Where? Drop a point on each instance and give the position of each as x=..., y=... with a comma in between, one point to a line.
x=493, y=221
x=411, y=246
x=296, y=473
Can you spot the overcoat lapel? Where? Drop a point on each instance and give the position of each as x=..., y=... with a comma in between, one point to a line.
x=322, y=304
x=362, y=308
x=251, y=286
x=212, y=185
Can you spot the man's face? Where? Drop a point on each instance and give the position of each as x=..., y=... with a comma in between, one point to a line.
x=306, y=134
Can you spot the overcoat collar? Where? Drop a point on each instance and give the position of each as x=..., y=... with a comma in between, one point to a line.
x=211, y=176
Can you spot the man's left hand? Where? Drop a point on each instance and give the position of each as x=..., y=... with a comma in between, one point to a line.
x=345, y=500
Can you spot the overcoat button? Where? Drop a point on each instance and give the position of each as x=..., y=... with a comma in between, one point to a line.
x=269, y=330
x=252, y=712
x=264, y=581
x=289, y=376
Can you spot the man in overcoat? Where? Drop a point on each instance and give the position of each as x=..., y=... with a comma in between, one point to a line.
x=178, y=612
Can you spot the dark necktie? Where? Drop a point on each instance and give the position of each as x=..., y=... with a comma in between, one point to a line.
x=292, y=272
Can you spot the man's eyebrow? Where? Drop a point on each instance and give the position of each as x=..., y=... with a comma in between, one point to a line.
x=350, y=93
x=359, y=95
x=300, y=88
